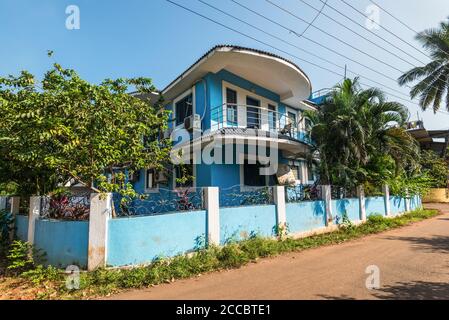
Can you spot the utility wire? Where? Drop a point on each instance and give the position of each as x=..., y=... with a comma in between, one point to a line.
x=395, y=18
x=315, y=42
x=269, y=45
x=318, y=43
x=364, y=27
x=320, y=11
x=298, y=47
x=392, y=33
x=336, y=38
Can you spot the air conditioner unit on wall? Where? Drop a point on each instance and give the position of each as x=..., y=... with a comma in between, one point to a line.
x=193, y=122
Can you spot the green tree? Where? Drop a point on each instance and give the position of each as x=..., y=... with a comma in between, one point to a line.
x=434, y=83
x=436, y=168
x=359, y=136
x=67, y=128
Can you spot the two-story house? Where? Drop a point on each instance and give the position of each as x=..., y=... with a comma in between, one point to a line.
x=249, y=97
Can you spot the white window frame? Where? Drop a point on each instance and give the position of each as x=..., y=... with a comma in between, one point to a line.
x=180, y=97
x=298, y=164
x=241, y=103
x=155, y=188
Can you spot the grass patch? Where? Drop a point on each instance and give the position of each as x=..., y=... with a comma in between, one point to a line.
x=107, y=281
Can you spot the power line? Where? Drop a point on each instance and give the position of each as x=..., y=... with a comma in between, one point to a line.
x=320, y=11
x=336, y=38
x=392, y=33
x=267, y=44
x=315, y=42
x=364, y=27
x=395, y=18
x=297, y=47
x=299, y=18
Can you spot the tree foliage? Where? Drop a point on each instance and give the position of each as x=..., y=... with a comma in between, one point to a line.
x=65, y=128
x=360, y=138
x=436, y=168
x=434, y=76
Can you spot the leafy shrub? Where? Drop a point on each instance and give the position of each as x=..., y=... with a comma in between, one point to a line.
x=23, y=257
x=42, y=274
x=6, y=221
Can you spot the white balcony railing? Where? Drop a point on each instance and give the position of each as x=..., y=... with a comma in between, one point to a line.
x=231, y=115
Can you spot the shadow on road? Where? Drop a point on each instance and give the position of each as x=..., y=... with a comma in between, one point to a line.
x=434, y=244
x=418, y=290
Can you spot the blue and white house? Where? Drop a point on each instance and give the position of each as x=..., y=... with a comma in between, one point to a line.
x=249, y=97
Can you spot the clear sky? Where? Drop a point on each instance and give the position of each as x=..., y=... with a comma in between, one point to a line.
x=155, y=39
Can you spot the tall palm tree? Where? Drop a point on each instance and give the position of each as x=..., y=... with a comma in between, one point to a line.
x=353, y=127
x=434, y=83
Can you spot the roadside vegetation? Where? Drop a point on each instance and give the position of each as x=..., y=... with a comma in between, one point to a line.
x=24, y=277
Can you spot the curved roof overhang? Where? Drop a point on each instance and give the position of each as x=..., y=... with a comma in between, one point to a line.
x=267, y=70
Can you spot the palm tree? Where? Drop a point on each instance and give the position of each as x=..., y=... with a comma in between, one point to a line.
x=354, y=128
x=434, y=84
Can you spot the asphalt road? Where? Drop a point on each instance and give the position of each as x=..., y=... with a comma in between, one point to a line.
x=413, y=263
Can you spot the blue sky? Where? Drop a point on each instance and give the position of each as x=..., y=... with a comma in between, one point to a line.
x=155, y=39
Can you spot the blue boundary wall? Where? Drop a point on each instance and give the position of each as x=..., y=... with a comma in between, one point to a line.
x=21, y=225
x=375, y=206
x=64, y=242
x=305, y=216
x=238, y=223
x=415, y=203
x=397, y=205
x=140, y=240
x=349, y=206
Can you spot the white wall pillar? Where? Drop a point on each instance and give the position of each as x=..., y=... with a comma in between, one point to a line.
x=100, y=213
x=361, y=196
x=34, y=214
x=281, y=213
x=15, y=203
x=212, y=206
x=326, y=195
x=386, y=192
x=407, y=201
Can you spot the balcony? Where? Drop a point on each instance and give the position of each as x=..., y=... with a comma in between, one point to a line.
x=248, y=119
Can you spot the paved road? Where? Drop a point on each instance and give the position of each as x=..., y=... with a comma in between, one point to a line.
x=413, y=263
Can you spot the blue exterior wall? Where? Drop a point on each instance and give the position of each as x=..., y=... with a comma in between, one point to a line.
x=140, y=240
x=64, y=242
x=397, y=205
x=21, y=226
x=375, y=206
x=348, y=206
x=305, y=216
x=415, y=203
x=239, y=223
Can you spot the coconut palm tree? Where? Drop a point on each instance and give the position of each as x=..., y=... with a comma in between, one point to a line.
x=354, y=129
x=434, y=83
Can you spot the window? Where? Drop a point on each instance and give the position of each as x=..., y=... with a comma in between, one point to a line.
x=308, y=124
x=296, y=172
x=183, y=109
x=253, y=178
x=184, y=172
x=150, y=179
x=252, y=113
x=231, y=107
x=310, y=176
x=272, y=117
